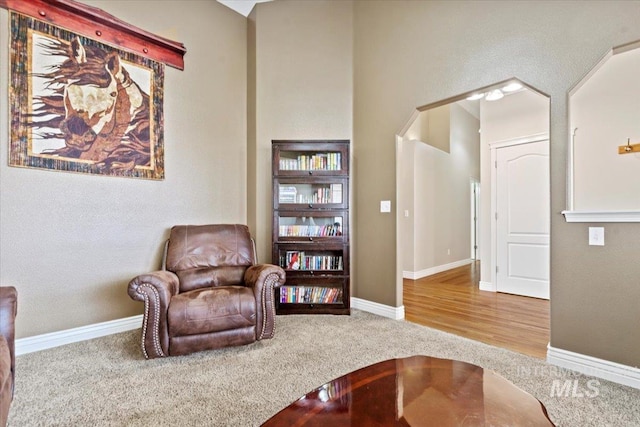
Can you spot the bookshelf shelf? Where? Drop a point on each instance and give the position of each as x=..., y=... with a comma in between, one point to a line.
x=311, y=225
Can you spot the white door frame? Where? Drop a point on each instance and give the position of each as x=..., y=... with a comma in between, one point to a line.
x=475, y=219
x=493, y=147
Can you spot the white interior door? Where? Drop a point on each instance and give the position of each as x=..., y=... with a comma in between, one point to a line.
x=522, y=219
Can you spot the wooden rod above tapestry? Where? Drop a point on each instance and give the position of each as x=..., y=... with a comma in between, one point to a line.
x=99, y=25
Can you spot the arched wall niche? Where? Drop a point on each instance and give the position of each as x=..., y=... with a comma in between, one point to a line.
x=604, y=141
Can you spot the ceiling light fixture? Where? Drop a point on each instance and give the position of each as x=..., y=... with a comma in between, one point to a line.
x=475, y=96
x=494, y=95
x=512, y=87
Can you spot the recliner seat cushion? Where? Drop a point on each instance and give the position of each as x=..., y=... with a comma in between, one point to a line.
x=211, y=310
x=187, y=344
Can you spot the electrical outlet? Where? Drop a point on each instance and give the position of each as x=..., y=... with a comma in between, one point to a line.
x=596, y=236
x=385, y=205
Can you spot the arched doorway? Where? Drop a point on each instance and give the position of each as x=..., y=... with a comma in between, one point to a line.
x=444, y=147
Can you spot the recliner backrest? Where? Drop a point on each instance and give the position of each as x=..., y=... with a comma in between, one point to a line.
x=209, y=255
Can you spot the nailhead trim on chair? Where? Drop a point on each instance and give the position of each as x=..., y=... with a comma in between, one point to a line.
x=156, y=326
x=267, y=298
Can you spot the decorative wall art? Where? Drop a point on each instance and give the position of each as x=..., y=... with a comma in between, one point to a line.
x=82, y=106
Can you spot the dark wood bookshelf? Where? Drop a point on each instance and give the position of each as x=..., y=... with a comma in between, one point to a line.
x=311, y=225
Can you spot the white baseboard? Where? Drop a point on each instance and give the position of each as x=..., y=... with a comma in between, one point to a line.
x=415, y=275
x=82, y=333
x=395, y=313
x=612, y=371
x=487, y=286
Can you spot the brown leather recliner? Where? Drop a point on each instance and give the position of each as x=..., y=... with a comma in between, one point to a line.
x=8, y=311
x=209, y=294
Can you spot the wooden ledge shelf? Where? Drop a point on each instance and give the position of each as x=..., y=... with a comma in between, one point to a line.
x=99, y=25
x=629, y=148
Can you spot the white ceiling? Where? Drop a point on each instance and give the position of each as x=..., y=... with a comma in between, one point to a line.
x=243, y=7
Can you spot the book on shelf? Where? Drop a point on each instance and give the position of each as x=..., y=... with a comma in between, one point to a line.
x=310, y=295
x=327, y=230
x=288, y=194
x=330, y=193
x=298, y=260
x=317, y=161
x=293, y=263
x=336, y=193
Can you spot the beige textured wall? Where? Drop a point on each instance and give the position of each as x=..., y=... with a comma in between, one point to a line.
x=406, y=201
x=70, y=243
x=303, y=90
x=439, y=127
x=411, y=53
x=418, y=129
x=252, y=147
x=71, y=257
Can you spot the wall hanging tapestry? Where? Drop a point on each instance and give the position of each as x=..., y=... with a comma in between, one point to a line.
x=82, y=106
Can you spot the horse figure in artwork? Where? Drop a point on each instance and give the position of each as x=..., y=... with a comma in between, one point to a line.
x=101, y=113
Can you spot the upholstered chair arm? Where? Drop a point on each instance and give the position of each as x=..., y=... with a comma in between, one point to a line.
x=8, y=311
x=155, y=290
x=263, y=278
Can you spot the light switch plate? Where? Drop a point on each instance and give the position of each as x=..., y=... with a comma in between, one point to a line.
x=385, y=205
x=596, y=236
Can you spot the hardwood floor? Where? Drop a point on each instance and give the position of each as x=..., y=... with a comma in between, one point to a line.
x=451, y=301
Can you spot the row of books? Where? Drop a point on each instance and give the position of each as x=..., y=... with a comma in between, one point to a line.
x=329, y=194
x=320, y=161
x=297, y=260
x=310, y=230
x=310, y=295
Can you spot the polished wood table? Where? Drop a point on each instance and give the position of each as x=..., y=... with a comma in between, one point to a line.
x=415, y=391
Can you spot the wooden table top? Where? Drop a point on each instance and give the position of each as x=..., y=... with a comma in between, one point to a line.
x=415, y=391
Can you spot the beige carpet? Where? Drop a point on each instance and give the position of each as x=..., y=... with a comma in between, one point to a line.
x=107, y=382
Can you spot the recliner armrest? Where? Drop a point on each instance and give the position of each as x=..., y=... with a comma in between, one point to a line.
x=257, y=274
x=165, y=282
x=263, y=278
x=155, y=289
